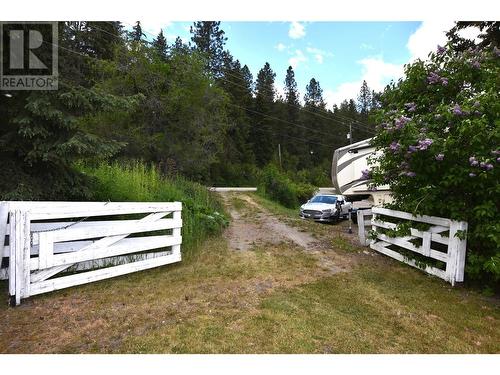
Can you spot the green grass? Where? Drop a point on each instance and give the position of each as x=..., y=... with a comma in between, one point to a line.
x=202, y=215
x=273, y=299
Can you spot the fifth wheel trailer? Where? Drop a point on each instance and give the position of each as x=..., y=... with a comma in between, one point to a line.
x=347, y=178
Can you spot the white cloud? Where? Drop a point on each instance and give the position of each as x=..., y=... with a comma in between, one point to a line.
x=296, y=31
x=280, y=47
x=426, y=38
x=375, y=71
x=319, y=54
x=297, y=58
x=378, y=73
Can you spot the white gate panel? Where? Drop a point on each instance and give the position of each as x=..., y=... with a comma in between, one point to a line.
x=443, y=231
x=40, y=252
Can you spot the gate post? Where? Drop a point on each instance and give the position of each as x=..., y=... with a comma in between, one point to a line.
x=456, y=252
x=19, y=257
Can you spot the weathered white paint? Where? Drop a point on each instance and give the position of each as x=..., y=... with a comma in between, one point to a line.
x=362, y=215
x=4, y=230
x=38, y=250
x=443, y=232
x=237, y=189
x=100, y=274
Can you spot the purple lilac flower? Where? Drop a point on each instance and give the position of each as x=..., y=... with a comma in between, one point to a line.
x=395, y=146
x=440, y=50
x=444, y=81
x=424, y=144
x=498, y=160
x=365, y=174
x=476, y=64
x=482, y=164
x=433, y=77
x=495, y=152
x=439, y=157
x=472, y=175
x=488, y=167
x=412, y=149
x=404, y=165
x=411, y=174
x=411, y=107
x=496, y=51
x=457, y=110
x=473, y=161
x=400, y=122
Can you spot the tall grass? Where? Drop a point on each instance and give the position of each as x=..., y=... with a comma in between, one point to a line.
x=202, y=213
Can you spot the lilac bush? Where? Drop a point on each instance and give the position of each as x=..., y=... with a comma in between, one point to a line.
x=441, y=147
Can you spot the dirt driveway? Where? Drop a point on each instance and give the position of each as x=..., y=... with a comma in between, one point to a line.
x=253, y=225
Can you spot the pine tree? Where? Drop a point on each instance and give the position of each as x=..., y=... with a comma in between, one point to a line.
x=210, y=40
x=160, y=45
x=263, y=134
x=364, y=100
x=137, y=34
x=314, y=95
x=291, y=93
x=248, y=78
x=179, y=47
x=290, y=147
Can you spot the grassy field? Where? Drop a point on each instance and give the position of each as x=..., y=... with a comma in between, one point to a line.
x=274, y=298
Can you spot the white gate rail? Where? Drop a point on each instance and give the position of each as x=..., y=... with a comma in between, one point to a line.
x=38, y=249
x=443, y=232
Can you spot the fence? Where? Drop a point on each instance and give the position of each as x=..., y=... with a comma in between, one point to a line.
x=54, y=245
x=441, y=241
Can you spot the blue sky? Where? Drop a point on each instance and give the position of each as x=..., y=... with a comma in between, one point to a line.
x=338, y=54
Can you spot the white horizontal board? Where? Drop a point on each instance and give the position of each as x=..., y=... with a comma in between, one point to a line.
x=394, y=254
x=124, y=246
x=403, y=242
x=117, y=229
x=104, y=273
x=116, y=261
x=436, y=237
x=225, y=189
x=383, y=224
x=61, y=210
x=61, y=225
x=405, y=215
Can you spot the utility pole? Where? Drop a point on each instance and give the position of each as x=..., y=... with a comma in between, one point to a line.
x=350, y=132
x=279, y=154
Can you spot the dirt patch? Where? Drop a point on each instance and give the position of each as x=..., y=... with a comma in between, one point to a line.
x=253, y=225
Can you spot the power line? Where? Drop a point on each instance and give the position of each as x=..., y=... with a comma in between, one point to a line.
x=248, y=109
x=302, y=108
x=361, y=126
x=231, y=104
x=366, y=126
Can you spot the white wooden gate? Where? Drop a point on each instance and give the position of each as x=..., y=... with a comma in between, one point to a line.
x=441, y=241
x=44, y=239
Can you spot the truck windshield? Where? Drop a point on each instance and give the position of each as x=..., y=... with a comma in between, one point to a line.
x=324, y=199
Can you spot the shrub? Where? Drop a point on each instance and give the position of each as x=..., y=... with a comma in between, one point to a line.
x=439, y=132
x=202, y=213
x=277, y=186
